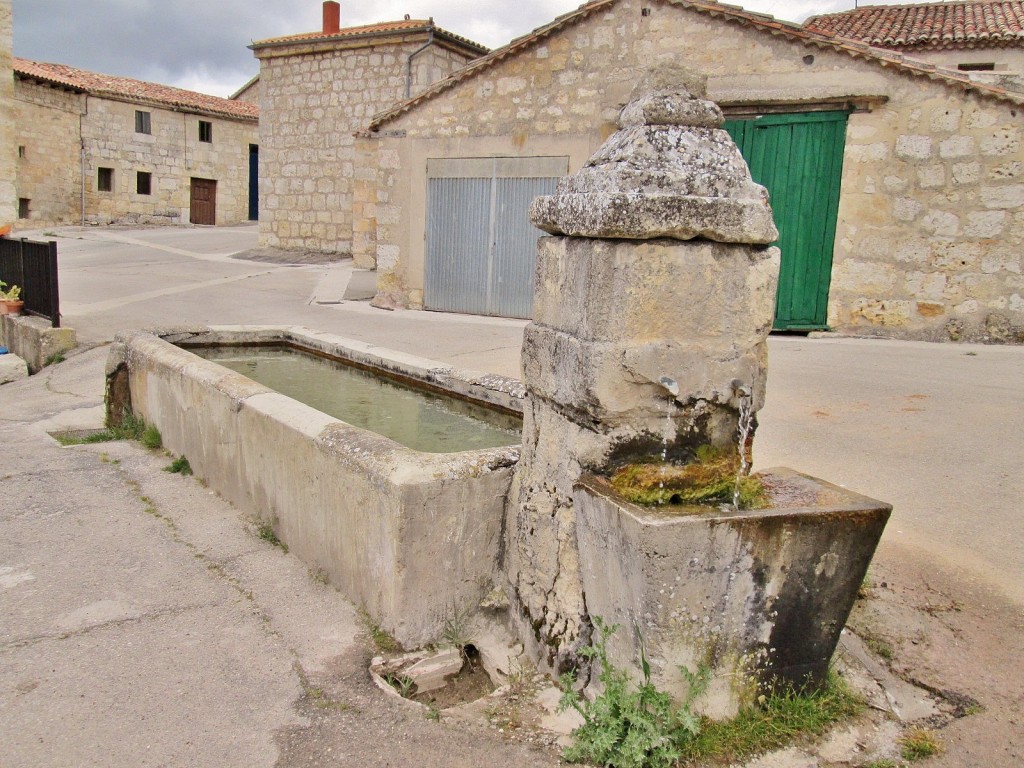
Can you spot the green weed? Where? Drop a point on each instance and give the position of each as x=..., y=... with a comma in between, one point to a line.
x=383, y=640
x=919, y=743
x=56, y=357
x=638, y=726
x=780, y=717
x=179, y=466
x=266, y=532
x=151, y=437
x=404, y=684
x=629, y=726
x=455, y=632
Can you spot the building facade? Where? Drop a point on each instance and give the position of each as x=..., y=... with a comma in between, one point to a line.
x=316, y=90
x=97, y=149
x=8, y=145
x=900, y=187
x=984, y=38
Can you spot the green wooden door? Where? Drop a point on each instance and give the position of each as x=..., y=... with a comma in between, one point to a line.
x=799, y=158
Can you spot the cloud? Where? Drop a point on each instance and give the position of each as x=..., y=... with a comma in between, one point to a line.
x=202, y=44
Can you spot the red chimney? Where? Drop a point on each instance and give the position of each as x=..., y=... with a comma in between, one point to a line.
x=332, y=17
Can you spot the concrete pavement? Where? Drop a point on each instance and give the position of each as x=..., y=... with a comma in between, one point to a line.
x=123, y=587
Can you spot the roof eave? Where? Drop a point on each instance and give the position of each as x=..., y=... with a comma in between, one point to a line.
x=53, y=83
x=322, y=42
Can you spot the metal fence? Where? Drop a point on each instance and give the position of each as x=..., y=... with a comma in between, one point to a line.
x=33, y=266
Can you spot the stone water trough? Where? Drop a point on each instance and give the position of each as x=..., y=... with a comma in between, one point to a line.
x=407, y=535
x=654, y=298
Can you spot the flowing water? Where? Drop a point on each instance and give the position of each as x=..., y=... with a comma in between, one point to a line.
x=418, y=419
x=745, y=420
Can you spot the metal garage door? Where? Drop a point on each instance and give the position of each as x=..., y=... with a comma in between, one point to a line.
x=799, y=158
x=480, y=245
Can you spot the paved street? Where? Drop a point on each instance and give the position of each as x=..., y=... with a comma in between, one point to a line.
x=145, y=624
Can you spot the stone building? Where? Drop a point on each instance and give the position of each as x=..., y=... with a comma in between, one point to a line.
x=986, y=38
x=95, y=148
x=249, y=92
x=316, y=90
x=8, y=197
x=898, y=188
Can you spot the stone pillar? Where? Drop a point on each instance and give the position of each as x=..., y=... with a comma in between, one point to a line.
x=653, y=303
x=8, y=137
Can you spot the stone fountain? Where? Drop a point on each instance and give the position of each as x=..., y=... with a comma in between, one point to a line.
x=654, y=299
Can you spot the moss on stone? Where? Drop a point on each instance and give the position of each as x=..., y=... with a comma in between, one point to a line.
x=710, y=477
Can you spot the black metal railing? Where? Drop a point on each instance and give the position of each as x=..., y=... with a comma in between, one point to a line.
x=33, y=267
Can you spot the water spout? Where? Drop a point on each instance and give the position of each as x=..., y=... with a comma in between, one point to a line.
x=671, y=385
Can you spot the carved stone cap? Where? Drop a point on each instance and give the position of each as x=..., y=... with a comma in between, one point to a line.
x=669, y=171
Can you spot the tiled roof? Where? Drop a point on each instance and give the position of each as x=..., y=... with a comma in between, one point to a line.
x=730, y=14
x=127, y=89
x=371, y=31
x=929, y=25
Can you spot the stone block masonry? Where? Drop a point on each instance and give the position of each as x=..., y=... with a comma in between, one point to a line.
x=8, y=144
x=312, y=104
x=930, y=221
x=65, y=139
x=641, y=345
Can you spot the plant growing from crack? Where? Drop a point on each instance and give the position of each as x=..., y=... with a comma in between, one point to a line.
x=628, y=725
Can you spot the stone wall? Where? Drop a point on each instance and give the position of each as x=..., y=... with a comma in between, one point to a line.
x=52, y=124
x=931, y=220
x=173, y=154
x=8, y=147
x=1005, y=59
x=929, y=232
x=49, y=165
x=311, y=104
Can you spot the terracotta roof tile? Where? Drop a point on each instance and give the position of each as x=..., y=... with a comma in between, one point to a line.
x=928, y=25
x=370, y=31
x=125, y=88
x=730, y=13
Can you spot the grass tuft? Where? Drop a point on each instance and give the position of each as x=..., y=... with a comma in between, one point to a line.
x=919, y=743
x=265, y=531
x=781, y=716
x=383, y=640
x=151, y=438
x=637, y=726
x=179, y=466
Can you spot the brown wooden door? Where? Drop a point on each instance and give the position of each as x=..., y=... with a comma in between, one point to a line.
x=204, y=201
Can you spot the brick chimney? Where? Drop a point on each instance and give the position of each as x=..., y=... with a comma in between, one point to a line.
x=332, y=17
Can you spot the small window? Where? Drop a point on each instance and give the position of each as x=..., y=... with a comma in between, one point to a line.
x=142, y=124
x=205, y=131
x=143, y=182
x=104, y=179
x=982, y=67
x=23, y=207
x=21, y=150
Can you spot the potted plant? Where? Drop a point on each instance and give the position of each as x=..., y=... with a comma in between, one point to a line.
x=10, y=299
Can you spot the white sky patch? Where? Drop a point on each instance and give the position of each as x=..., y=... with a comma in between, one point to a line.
x=202, y=45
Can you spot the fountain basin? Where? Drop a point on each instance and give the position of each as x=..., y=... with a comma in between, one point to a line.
x=408, y=535
x=758, y=596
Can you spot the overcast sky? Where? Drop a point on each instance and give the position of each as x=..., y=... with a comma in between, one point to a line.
x=201, y=44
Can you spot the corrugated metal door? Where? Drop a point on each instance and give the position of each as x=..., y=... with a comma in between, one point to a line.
x=799, y=158
x=480, y=245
